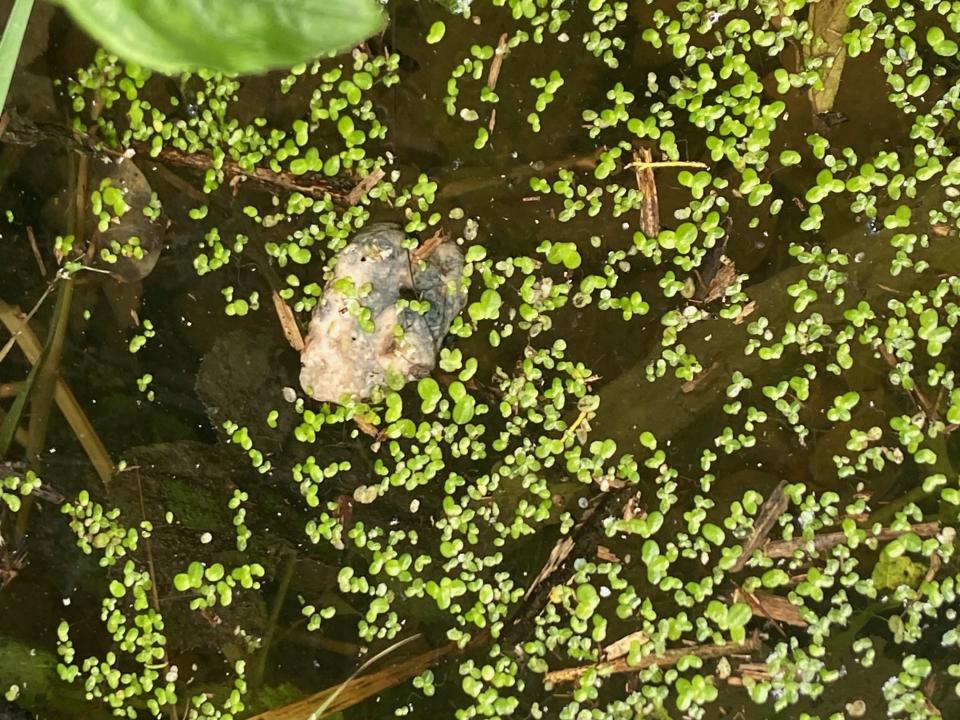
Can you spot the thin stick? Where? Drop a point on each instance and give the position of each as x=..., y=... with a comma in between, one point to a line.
x=642, y=165
x=36, y=251
x=495, y=66
x=668, y=658
x=47, y=368
x=364, y=186
x=311, y=185
x=13, y=339
x=773, y=507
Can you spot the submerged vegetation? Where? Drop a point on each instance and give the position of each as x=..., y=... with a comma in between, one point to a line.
x=688, y=450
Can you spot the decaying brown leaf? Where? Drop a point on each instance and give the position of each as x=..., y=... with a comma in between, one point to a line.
x=367, y=428
x=428, y=246
x=606, y=554
x=772, y=607
x=745, y=312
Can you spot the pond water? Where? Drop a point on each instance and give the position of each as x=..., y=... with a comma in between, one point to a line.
x=741, y=342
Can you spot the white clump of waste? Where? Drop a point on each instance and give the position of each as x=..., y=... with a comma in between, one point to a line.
x=382, y=317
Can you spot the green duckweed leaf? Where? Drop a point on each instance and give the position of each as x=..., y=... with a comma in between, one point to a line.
x=233, y=36
x=464, y=409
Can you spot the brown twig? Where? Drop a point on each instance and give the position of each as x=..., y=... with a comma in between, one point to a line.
x=494, y=75
x=495, y=66
x=667, y=164
x=668, y=658
x=41, y=399
x=311, y=184
x=23, y=132
x=825, y=541
x=581, y=542
x=773, y=507
x=690, y=385
x=621, y=647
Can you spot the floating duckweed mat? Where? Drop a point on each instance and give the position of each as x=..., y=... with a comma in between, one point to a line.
x=689, y=450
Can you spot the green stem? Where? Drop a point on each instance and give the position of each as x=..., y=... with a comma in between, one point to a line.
x=260, y=668
x=10, y=44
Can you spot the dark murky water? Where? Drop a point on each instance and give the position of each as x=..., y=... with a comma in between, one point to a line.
x=187, y=312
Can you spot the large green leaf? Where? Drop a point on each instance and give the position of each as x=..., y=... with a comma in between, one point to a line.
x=237, y=36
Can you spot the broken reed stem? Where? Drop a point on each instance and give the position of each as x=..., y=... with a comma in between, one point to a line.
x=10, y=389
x=668, y=658
x=66, y=400
x=647, y=185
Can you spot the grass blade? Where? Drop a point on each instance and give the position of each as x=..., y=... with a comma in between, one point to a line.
x=10, y=44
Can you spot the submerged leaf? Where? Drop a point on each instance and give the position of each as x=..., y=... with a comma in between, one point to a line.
x=828, y=23
x=234, y=36
x=891, y=573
